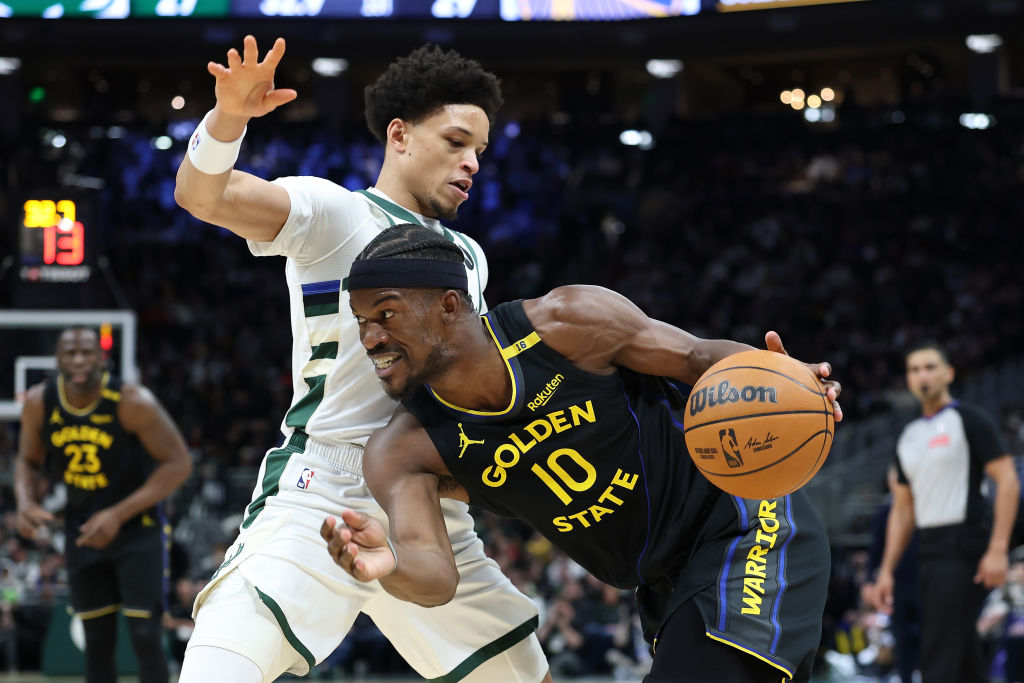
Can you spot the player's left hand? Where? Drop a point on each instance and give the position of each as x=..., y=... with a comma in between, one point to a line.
x=992, y=569
x=99, y=530
x=773, y=342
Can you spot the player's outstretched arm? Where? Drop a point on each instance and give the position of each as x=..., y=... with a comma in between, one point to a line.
x=206, y=185
x=31, y=453
x=404, y=472
x=141, y=414
x=599, y=329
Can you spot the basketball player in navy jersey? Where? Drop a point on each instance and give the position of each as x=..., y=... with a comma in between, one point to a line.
x=566, y=411
x=119, y=454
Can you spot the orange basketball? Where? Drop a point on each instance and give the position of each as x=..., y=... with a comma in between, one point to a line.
x=758, y=424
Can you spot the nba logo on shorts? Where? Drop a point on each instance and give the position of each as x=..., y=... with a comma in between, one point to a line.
x=305, y=479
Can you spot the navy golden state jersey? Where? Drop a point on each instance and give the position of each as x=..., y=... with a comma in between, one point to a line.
x=596, y=463
x=99, y=462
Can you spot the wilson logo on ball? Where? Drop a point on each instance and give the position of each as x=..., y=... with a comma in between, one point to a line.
x=709, y=397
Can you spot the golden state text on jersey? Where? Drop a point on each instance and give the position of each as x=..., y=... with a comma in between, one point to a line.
x=89, y=450
x=581, y=457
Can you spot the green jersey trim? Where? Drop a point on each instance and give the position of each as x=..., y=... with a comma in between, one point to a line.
x=286, y=629
x=277, y=460
x=391, y=209
x=493, y=648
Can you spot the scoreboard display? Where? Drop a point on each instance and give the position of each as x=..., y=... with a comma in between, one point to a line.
x=507, y=10
x=56, y=239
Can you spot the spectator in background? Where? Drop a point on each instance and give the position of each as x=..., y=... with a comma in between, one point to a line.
x=1001, y=623
x=561, y=632
x=941, y=460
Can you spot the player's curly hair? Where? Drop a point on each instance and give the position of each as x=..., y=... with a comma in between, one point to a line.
x=407, y=240
x=417, y=85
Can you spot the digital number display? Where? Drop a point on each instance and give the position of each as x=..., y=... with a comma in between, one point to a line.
x=53, y=242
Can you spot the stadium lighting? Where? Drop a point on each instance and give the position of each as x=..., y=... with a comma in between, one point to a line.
x=828, y=94
x=330, y=66
x=786, y=96
x=162, y=142
x=9, y=65
x=975, y=121
x=177, y=102
x=983, y=43
x=664, y=68
x=821, y=115
x=641, y=139
x=813, y=101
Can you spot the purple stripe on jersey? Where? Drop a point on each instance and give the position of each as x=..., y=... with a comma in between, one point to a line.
x=723, y=602
x=647, y=489
x=321, y=287
x=743, y=512
x=782, y=574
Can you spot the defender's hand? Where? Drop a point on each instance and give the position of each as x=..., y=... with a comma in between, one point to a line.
x=773, y=342
x=359, y=545
x=245, y=87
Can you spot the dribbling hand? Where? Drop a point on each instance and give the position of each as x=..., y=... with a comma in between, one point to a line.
x=773, y=342
x=245, y=87
x=359, y=545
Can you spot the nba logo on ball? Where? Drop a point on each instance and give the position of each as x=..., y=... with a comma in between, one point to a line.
x=759, y=424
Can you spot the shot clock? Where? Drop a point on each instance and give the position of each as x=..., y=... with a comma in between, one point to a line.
x=57, y=238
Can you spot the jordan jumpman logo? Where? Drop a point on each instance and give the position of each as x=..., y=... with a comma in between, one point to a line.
x=465, y=442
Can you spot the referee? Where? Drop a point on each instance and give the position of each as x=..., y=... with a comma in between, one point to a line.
x=942, y=458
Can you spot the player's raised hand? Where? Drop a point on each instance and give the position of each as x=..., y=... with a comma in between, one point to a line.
x=359, y=545
x=245, y=87
x=773, y=342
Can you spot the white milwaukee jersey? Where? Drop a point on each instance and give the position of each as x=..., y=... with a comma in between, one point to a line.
x=337, y=396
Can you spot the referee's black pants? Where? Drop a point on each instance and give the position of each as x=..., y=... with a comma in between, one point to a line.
x=951, y=601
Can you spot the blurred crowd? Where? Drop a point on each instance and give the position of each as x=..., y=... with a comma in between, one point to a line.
x=852, y=240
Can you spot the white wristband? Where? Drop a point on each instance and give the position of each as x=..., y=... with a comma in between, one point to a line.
x=210, y=155
x=390, y=545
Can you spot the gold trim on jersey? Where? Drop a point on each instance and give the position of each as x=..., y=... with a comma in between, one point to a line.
x=712, y=636
x=82, y=412
x=511, y=373
x=98, y=612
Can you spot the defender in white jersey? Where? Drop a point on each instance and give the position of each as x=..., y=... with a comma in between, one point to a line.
x=279, y=603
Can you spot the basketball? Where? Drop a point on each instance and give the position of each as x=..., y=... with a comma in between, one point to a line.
x=758, y=424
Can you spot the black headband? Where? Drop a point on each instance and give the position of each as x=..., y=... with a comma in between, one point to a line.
x=406, y=272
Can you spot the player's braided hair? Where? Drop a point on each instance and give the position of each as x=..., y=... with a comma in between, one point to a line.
x=407, y=240
x=415, y=86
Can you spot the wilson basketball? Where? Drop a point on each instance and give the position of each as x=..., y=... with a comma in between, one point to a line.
x=758, y=424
